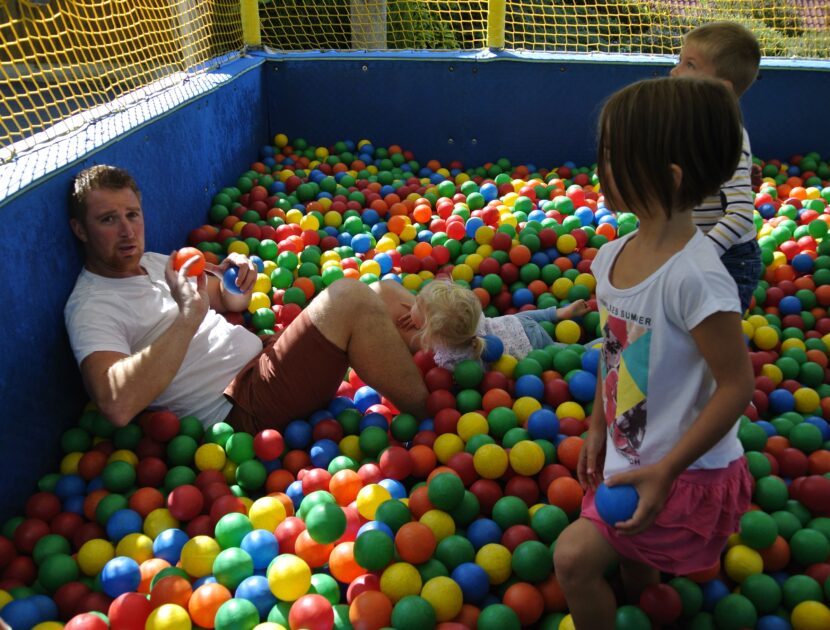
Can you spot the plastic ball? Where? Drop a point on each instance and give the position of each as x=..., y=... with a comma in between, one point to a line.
x=498, y=617
x=741, y=561
x=616, y=503
x=120, y=575
x=289, y=577
x=810, y=615
x=445, y=597
x=185, y=254
x=206, y=601
x=198, y=555
x=413, y=613
x=496, y=561
x=399, y=580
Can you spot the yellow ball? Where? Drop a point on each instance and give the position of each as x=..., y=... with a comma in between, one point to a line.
x=139, y=547
x=778, y=259
x=289, y=577
x=236, y=229
x=426, y=275
x=566, y=244
x=446, y=445
x=294, y=216
x=269, y=625
x=310, y=222
x=239, y=247
x=332, y=218
x=124, y=455
x=259, y=300
x=484, y=235
x=269, y=267
x=527, y=458
x=399, y=580
x=793, y=342
x=439, y=522
x=586, y=280
x=169, y=617
x=462, y=272
x=412, y=281
x=229, y=472
x=510, y=199
x=266, y=513
x=93, y=555
x=570, y=410
x=5, y=597
x=765, y=337
x=369, y=498
x=810, y=615
x=561, y=287
x=210, y=457
x=280, y=140
x=48, y=625
x=198, y=555
x=350, y=447
x=262, y=284
x=445, y=597
x=567, y=331
x=826, y=341
x=748, y=329
x=773, y=372
x=370, y=266
x=496, y=561
x=473, y=261
x=806, y=400
x=69, y=463
x=567, y=623
x=159, y=520
x=490, y=461
x=741, y=561
x=470, y=424
x=757, y=321
x=524, y=408
x=409, y=233
x=506, y=364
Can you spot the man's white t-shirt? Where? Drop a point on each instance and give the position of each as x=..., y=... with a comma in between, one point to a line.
x=128, y=314
x=655, y=381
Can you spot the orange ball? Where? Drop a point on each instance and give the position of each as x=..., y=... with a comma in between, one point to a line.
x=342, y=564
x=776, y=557
x=423, y=461
x=415, y=542
x=419, y=503
x=344, y=485
x=91, y=502
x=776, y=444
x=819, y=462
x=526, y=601
x=553, y=594
x=145, y=500
x=496, y=398
x=705, y=575
x=278, y=480
x=91, y=464
x=371, y=610
x=148, y=570
x=205, y=601
x=314, y=553
x=294, y=461
x=568, y=451
x=468, y=617
x=520, y=255
x=185, y=254
x=566, y=493
x=171, y=589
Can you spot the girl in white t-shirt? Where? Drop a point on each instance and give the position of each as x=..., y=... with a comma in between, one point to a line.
x=447, y=319
x=675, y=370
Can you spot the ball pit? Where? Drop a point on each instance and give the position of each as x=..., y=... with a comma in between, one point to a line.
x=362, y=515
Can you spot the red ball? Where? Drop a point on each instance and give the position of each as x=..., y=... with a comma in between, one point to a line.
x=129, y=611
x=96, y=601
x=523, y=487
x=814, y=493
x=446, y=420
x=7, y=552
x=328, y=429
x=20, y=569
x=287, y=533
x=487, y=492
x=86, y=621
x=151, y=472
x=793, y=463
x=200, y=526
x=68, y=597
x=395, y=463
x=370, y=473
x=462, y=464
x=268, y=444
x=440, y=399
x=43, y=505
x=494, y=380
x=549, y=473
x=64, y=524
x=515, y=535
x=87, y=531
x=311, y=612
x=29, y=532
x=556, y=392
x=661, y=603
x=185, y=502
x=438, y=378
x=162, y=426
x=571, y=426
x=424, y=360
x=314, y=480
x=207, y=477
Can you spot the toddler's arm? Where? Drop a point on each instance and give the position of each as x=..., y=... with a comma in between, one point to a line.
x=737, y=198
x=719, y=339
x=577, y=308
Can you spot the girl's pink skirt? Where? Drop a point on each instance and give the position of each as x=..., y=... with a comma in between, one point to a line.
x=703, y=509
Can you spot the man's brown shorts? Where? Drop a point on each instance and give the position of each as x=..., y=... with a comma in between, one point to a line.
x=294, y=375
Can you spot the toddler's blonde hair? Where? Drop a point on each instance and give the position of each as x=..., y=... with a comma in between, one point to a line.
x=451, y=314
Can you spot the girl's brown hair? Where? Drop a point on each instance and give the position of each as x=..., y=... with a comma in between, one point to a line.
x=649, y=126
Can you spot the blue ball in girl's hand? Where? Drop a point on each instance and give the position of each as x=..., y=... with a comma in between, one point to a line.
x=616, y=503
x=229, y=279
x=493, y=348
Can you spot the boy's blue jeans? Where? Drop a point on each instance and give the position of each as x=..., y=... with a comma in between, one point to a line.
x=743, y=262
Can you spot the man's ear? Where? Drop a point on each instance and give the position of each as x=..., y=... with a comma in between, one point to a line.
x=78, y=230
x=677, y=175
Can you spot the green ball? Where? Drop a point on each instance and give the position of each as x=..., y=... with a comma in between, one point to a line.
x=179, y=476
x=325, y=585
x=468, y=374
x=374, y=550
x=318, y=497
x=231, y=529
x=468, y=400
x=49, y=545
x=787, y=522
x=752, y=436
x=403, y=427
x=514, y=436
x=190, y=425
x=691, y=596
x=232, y=566
x=809, y=546
x=413, y=613
x=498, y=617
x=821, y=524
x=219, y=433
x=169, y=571
x=373, y=440
x=759, y=465
x=430, y=569
x=806, y=437
x=445, y=491
x=735, y=612
x=527, y=366
x=532, y=561
x=181, y=450
x=468, y=511
x=57, y=570
x=501, y=420
x=565, y=361
x=763, y=591
x=393, y=513
x=548, y=522
x=800, y=588
x=800, y=512
x=76, y=440
x=325, y=523
x=758, y=529
x=251, y=474
x=240, y=447
x=454, y=550
x=235, y=614
x=771, y=494
x=632, y=618
x=510, y=510
x=108, y=506
x=127, y=437
x=492, y=283
x=263, y=318
x=118, y=476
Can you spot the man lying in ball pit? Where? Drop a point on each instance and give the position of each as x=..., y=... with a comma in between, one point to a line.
x=146, y=335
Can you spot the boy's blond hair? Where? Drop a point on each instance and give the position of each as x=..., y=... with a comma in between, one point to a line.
x=451, y=314
x=732, y=49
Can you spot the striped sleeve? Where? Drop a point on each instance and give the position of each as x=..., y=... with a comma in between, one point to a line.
x=727, y=218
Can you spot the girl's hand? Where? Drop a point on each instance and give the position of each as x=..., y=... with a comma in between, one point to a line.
x=653, y=484
x=405, y=322
x=591, y=460
x=247, y=270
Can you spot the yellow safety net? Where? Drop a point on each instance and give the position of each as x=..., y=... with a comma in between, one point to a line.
x=59, y=58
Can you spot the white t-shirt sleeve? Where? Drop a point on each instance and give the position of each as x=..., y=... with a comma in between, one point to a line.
x=90, y=332
x=704, y=292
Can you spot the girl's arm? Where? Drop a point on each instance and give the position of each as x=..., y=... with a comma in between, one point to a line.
x=720, y=341
x=592, y=456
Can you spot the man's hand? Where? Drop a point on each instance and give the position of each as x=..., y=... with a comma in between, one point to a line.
x=192, y=299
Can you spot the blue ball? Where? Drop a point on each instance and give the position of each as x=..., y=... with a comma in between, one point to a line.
x=297, y=434
x=256, y=590
x=122, y=523
x=322, y=452
x=543, y=424
x=590, y=360
x=168, y=545
x=781, y=400
x=802, y=263
x=22, y=613
x=616, y=504
x=365, y=397
x=340, y=403
x=582, y=385
x=713, y=592
x=489, y=191
x=229, y=279
x=529, y=385
x=772, y=622
x=523, y=296
x=385, y=261
x=361, y=243
x=493, y=348
x=295, y=493
x=473, y=581
x=395, y=488
x=260, y=264
x=120, y=575
x=821, y=424
x=483, y=531
x=319, y=416
x=74, y=504
x=70, y=485
x=262, y=546
x=373, y=419
x=789, y=305
x=378, y=525
x=768, y=427
x=472, y=225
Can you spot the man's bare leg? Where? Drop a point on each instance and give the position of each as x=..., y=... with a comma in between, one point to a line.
x=398, y=301
x=355, y=319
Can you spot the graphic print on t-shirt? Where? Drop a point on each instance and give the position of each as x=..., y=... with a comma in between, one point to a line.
x=625, y=353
